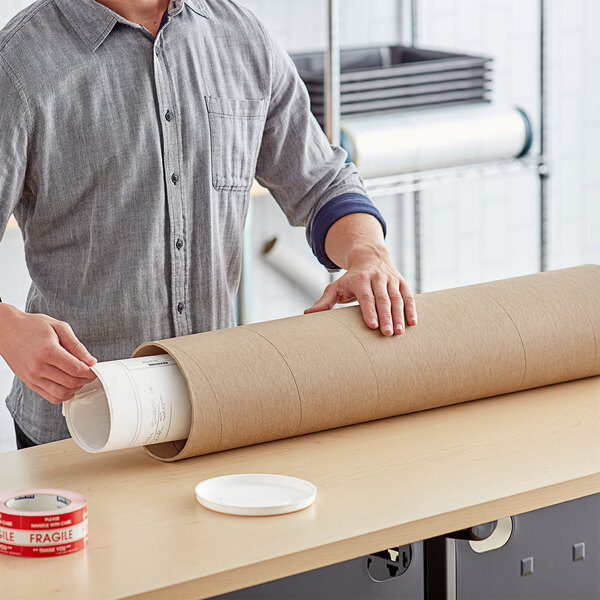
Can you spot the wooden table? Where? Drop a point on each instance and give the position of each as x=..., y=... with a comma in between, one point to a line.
x=381, y=484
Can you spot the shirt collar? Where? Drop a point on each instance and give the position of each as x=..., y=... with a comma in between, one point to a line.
x=93, y=22
x=199, y=7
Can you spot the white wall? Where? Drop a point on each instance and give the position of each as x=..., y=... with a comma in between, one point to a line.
x=473, y=230
x=14, y=283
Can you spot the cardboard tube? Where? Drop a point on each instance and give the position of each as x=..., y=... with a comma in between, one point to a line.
x=282, y=378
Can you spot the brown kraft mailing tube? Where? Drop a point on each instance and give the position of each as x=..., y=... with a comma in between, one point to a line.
x=278, y=379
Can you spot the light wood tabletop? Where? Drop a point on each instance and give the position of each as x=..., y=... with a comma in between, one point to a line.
x=380, y=484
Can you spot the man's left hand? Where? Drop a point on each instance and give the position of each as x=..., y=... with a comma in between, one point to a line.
x=371, y=278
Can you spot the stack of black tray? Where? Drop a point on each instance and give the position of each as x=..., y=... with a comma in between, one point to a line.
x=393, y=78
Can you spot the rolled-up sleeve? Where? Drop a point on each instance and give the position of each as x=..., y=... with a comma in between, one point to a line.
x=296, y=163
x=14, y=135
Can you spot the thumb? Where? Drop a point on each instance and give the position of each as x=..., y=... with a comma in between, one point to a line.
x=326, y=301
x=69, y=341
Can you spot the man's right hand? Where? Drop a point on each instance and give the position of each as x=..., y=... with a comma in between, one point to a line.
x=44, y=353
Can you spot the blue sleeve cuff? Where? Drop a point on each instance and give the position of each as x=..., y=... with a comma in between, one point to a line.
x=335, y=209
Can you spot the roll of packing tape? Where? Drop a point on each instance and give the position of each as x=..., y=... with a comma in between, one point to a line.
x=43, y=522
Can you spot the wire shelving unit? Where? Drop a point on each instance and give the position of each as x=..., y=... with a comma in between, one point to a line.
x=415, y=183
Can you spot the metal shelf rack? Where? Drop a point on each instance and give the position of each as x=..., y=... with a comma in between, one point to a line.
x=415, y=182
x=421, y=180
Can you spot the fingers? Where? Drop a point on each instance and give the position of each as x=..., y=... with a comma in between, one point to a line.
x=410, y=307
x=385, y=300
x=68, y=340
x=383, y=305
x=366, y=300
x=55, y=385
x=60, y=377
x=71, y=356
x=52, y=392
x=66, y=362
x=56, y=390
x=327, y=301
x=390, y=306
x=398, y=306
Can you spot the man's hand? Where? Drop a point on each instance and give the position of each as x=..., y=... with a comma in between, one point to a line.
x=44, y=353
x=355, y=243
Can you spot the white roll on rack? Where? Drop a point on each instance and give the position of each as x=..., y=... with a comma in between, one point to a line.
x=306, y=274
x=403, y=142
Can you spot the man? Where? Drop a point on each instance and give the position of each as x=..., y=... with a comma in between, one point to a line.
x=130, y=134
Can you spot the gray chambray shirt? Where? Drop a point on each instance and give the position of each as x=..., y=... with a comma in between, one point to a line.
x=128, y=162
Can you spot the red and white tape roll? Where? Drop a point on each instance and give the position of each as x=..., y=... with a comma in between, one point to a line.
x=43, y=522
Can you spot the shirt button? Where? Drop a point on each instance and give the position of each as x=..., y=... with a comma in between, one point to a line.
x=179, y=244
x=168, y=115
x=156, y=50
x=180, y=307
x=174, y=178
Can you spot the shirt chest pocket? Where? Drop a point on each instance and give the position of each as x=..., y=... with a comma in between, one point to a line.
x=236, y=127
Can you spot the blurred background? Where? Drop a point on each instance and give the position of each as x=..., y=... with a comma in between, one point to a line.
x=474, y=224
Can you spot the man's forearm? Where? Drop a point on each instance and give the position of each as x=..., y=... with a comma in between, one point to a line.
x=356, y=237
x=5, y=311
